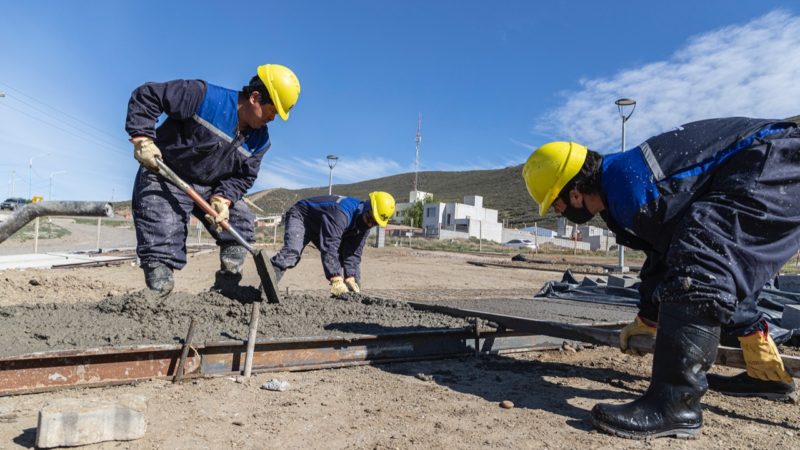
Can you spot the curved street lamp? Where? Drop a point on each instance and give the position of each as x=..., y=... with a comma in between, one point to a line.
x=622, y=106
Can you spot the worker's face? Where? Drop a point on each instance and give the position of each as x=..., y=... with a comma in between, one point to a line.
x=255, y=115
x=368, y=219
x=575, y=210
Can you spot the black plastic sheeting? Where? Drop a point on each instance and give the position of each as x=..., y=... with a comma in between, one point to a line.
x=771, y=300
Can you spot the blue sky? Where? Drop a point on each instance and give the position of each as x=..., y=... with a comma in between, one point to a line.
x=492, y=80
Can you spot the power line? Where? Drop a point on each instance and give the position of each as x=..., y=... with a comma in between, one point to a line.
x=90, y=139
x=57, y=110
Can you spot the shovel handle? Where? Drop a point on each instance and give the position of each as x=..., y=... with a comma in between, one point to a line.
x=167, y=173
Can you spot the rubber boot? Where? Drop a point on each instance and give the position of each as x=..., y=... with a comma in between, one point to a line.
x=743, y=385
x=231, y=263
x=686, y=346
x=158, y=278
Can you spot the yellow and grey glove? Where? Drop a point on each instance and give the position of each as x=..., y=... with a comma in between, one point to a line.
x=762, y=357
x=221, y=205
x=338, y=288
x=352, y=285
x=146, y=151
x=638, y=327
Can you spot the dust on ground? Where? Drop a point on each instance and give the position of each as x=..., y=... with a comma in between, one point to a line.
x=450, y=403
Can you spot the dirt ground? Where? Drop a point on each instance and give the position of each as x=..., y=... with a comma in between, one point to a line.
x=450, y=403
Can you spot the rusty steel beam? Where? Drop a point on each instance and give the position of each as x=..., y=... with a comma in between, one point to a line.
x=726, y=356
x=39, y=372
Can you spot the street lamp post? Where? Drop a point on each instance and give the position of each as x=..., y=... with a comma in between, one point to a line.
x=625, y=106
x=50, y=192
x=30, y=173
x=332, y=160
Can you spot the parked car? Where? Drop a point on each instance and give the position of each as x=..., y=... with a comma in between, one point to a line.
x=521, y=243
x=13, y=203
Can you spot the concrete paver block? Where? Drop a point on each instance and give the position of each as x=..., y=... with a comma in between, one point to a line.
x=791, y=317
x=71, y=422
x=789, y=283
x=624, y=281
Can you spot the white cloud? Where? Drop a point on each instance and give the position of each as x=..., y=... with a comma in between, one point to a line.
x=742, y=70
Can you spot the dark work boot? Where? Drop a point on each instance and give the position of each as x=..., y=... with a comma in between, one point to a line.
x=743, y=385
x=231, y=263
x=158, y=278
x=686, y=347
x=231, y=258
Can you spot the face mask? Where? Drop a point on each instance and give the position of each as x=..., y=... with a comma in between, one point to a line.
x=578, y=215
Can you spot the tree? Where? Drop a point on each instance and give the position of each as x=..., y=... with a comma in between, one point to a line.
x=412, y=215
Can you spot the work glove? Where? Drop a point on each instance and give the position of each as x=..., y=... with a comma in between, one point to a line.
x=762, y=358
x=352, y=285
x=146, y=151
x=638, y=327
x=221, y=205
x=338, y=288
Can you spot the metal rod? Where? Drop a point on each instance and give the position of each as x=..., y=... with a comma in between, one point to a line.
x=29, y=212
x=184, y=352
x=255, y=313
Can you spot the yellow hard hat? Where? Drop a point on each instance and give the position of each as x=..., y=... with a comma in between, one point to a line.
x=283, y=87
x=549, y=169
x=382, y=204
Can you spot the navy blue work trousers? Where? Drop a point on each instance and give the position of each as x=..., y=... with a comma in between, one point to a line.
x=736, y=236
x=161, y=213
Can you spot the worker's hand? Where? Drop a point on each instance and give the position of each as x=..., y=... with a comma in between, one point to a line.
x=638, y=327
x=221, y=206
x=338, y=288
x=146, y=151
x=762, y=358
x=352, y=285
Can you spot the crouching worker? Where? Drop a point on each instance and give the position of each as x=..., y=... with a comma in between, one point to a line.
x=715, y=204
x=338, y=226
x=214, y=139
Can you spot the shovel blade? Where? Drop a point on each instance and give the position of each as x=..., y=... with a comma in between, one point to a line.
x=268, y=281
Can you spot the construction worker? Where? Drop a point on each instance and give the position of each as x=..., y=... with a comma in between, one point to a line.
x=716, y=206
x=338, y=226
x=214, y=138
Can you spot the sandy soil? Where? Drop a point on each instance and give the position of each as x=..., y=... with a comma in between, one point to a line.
x=433, y=404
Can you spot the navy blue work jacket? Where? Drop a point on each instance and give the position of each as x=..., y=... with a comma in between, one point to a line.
x=199, y=138
x=335, y=226
x=648, y=189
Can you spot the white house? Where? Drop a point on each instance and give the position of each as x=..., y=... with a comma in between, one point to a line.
x=413, y=197
x=468, y=219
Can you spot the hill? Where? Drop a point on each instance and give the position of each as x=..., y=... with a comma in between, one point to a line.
x=502, y=189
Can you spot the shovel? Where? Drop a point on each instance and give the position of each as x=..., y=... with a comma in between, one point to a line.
x=263, y=265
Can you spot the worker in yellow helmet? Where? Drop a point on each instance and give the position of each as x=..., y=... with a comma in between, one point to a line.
x=214, y=138
x=715, y=205
x=338, y=226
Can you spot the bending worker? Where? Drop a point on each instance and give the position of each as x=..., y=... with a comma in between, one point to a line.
x=214, y=138
x=338, y=226
x=715, y=204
